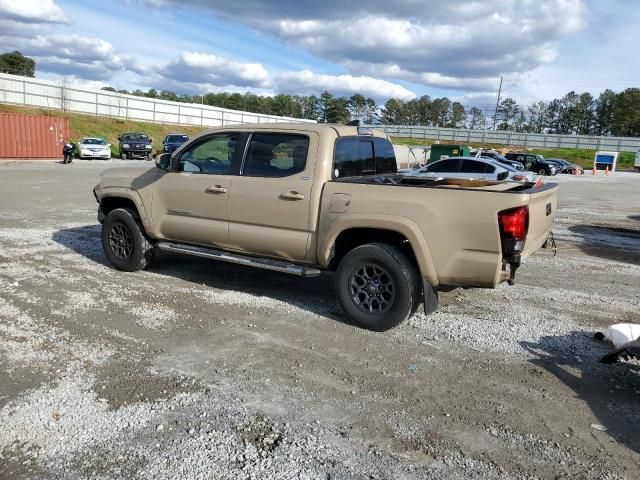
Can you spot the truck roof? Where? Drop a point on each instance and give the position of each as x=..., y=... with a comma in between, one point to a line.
x=340, y=129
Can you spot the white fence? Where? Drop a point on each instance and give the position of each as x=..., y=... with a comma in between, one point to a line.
x=527, y=140
x=55, y=95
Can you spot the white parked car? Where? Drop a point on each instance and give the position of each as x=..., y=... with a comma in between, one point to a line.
x=471, y=168
x=92, y=147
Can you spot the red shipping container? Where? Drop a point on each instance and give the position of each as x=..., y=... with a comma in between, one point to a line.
x=32, y=136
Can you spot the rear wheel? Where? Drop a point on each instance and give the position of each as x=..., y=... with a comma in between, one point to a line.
x=542, y=172
x=378, y=286
x=125, y=242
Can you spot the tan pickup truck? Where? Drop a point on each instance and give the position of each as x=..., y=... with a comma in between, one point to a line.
x=303, y=198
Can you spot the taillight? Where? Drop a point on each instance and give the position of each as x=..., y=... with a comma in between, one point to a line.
x=514, y=223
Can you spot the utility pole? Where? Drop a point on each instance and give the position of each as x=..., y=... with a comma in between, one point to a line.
x=495, y=116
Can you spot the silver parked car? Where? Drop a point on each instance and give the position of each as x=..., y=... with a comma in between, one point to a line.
x=94, y=147
x=471, y=168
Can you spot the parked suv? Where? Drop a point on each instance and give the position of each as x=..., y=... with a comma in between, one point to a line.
x=172, y=141
x=135, y=145
x=534, y=163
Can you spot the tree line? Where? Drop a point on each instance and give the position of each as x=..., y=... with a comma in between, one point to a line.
x=610, y=113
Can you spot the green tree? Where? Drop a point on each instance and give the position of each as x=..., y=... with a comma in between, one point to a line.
x=537, y=117
x=476, y=119
x=508, y=111
x=338, y=111
x=627, y=113
x=393, y=112
x=458, y=115
x=357, y=106
x=17, y=64
x=440, y=112
x=605, y=110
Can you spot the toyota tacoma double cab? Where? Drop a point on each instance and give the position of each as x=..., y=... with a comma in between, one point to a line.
x=306, y=198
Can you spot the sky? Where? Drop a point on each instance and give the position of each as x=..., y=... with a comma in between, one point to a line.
x=378, y=48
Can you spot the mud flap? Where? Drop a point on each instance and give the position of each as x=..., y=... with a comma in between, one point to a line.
x=430, y=297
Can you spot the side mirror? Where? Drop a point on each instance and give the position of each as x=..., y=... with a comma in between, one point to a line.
x=163, y=161
x=150, y=140
x=119, y=139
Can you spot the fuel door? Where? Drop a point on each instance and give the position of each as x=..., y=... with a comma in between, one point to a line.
x=340, y=202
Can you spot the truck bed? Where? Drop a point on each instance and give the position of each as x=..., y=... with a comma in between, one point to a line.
x=456, y=219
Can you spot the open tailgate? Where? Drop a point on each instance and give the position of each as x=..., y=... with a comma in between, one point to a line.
x=543, y=205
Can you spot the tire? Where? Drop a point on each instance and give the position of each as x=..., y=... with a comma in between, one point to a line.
x=385, y=270
x=542, y=172
x=125, y=242
x=149, y=157
x=123, y=156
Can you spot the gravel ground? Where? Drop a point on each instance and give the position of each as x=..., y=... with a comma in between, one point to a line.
x=195, y=369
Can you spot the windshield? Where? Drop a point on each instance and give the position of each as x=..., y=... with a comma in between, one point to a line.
x=93, y=141
x=176, y=138
x=135, y=136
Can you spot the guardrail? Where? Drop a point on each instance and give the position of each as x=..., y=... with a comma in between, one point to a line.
x=19, y=90
x=526, y=140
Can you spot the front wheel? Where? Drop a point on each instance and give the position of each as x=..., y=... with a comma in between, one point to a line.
x=378, y=286
x=149, y=157
x=125, y=242
x=123, y=156
x=542, y=172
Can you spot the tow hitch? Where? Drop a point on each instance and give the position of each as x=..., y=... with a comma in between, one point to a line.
x=551, y=241
x=514, y=264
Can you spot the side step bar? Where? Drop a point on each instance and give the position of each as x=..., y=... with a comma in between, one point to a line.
x=267, y=264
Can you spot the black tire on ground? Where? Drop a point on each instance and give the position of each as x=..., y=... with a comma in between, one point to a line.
x=125, y=242
x=149, y=157
x=378, y=286
x=542, y=172
x=123, y=156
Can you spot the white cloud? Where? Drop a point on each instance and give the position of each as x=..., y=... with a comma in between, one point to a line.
x=208, y=69
x=32, y=11
x=74, y=55
x=442, y=43
x=306, y=82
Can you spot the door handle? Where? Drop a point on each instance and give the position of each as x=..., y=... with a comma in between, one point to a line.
x=217, y=189
x=291, y=196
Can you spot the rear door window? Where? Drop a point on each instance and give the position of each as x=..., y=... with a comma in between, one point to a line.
x=471, y=166
x=357, y=156
x=276, y=155
x=448, y=166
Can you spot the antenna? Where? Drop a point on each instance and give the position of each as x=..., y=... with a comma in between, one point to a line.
x=495, y=116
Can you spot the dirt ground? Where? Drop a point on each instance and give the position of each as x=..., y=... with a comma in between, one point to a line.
x=196, y=369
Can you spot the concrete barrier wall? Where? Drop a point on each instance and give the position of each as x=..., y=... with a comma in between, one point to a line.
x=54, y=95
